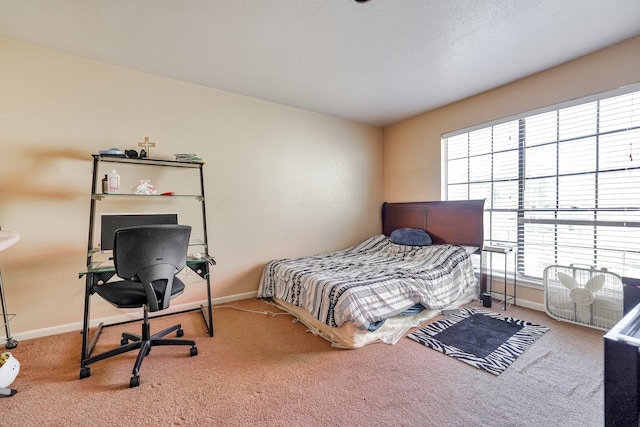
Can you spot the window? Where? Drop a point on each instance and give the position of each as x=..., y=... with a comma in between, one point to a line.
x=562, y=183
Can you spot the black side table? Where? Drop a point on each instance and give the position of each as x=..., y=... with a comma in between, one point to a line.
x=502, y=248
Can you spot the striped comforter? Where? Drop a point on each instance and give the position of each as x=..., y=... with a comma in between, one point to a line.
x=371, y=281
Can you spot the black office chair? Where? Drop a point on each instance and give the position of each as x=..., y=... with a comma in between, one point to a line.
x=147, y=258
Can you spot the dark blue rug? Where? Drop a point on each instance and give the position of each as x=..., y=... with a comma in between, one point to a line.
x=485, y=340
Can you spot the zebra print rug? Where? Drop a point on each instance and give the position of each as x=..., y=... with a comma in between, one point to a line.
x=486, y=340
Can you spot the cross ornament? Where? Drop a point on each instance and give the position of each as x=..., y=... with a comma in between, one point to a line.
x=146, y=145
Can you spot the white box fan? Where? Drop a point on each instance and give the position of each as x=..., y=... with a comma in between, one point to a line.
x=583, y=295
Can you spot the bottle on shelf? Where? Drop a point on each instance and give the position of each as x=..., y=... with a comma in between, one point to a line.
x=113, y=182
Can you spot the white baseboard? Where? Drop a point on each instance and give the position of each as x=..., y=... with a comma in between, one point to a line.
x=520, y=303
x=530, y=304
x=77, y=326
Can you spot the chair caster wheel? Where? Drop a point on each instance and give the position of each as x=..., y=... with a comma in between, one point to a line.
x=85, y=372
x=11, y=343
x=193, y=351
x=179, y=333
x=134, y=381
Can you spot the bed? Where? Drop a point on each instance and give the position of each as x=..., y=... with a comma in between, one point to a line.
x=380, y=288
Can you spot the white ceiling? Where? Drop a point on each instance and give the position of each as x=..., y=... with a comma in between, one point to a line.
x=379, y=62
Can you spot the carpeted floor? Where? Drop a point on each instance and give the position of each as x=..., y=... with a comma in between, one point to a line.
x=267, y=370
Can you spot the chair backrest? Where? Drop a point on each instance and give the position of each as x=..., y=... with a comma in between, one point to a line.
x=151, y=252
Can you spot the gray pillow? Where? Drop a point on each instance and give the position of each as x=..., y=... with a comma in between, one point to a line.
x=410, y=237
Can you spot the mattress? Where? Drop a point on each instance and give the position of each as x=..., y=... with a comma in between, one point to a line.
x=348, y=336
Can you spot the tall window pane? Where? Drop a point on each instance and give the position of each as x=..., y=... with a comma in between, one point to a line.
x=563, y=185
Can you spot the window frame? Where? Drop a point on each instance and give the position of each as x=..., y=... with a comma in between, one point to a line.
x=522, y=220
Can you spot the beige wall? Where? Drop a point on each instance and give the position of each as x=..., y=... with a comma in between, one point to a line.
x=412, y=148
x=279, y=181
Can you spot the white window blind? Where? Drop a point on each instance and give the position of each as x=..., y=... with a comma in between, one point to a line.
x=562, y=184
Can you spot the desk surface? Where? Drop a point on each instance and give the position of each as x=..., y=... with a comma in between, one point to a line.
x=106, y=266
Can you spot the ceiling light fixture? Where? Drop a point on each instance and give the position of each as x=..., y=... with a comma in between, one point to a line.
x=363, y=1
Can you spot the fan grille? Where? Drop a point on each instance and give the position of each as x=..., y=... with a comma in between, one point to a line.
x=584, y=296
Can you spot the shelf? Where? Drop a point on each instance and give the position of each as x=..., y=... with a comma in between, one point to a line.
x=99, y=267
x=192, y=243
x=100, y=196
x=499, y=247
x=147, y=161
x=107, y=266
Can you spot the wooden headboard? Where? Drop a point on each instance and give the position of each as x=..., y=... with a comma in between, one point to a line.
x=457, y=222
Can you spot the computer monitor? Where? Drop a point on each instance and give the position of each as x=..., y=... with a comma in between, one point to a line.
x=110, y=222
